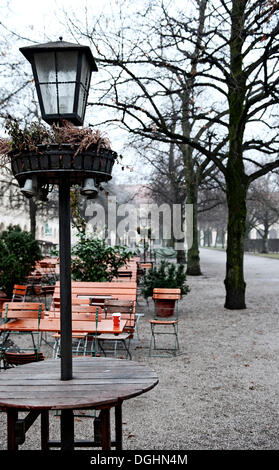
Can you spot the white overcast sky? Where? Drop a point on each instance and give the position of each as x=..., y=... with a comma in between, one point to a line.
x=38, y=21
x=44, y=20
x=44, y=16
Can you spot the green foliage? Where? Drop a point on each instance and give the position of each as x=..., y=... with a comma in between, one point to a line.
x=167, y=275
x=93, y=260
x=19, y=252
x=27, y=138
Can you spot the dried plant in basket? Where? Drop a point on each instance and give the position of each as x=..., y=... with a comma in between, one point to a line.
x=28, y=138
x=84, y=137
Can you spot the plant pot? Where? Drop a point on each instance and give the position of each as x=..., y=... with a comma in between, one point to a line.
x=164, y=307
x=53, y=161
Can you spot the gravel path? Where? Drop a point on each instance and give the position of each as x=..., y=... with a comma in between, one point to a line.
x=222, y=391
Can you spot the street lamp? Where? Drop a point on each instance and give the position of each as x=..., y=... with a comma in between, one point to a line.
x=62, y=73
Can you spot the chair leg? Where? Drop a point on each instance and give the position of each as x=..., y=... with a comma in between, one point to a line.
x=152, y=344
x=127, y=348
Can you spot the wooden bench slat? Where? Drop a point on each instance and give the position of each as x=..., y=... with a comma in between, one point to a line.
x=167, y=296
x=166, y=290
x=23, y=310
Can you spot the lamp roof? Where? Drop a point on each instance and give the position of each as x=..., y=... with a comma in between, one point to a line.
x=59, y=46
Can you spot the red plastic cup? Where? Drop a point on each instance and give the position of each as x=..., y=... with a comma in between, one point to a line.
x=116, y=320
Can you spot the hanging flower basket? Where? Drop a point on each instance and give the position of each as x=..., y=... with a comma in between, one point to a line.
x=50, y=162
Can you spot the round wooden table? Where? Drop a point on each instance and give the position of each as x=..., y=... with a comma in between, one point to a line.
x=98, y=383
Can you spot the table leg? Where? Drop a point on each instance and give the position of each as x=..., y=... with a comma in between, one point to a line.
x=12, y=417
x=118, y=427
x=44, y=430
x=105, y=429
x=67, y=430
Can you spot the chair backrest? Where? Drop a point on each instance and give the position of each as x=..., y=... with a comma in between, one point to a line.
x=81, y=310
x=23, y=310
x=19, y=293
x=125, y=307
x=85, y=312
x=129, y=271
x=165, y=293
x=147, y=265
x=75, y=301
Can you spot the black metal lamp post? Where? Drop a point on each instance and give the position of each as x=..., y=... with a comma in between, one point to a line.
x=62, y=73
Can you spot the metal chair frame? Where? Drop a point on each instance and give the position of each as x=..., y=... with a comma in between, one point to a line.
x=80, y=342
x=19, y=293
x=123, y=306
x=164, y=323
x=39, y=310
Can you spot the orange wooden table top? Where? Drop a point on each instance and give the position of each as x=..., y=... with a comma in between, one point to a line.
x=53, y=325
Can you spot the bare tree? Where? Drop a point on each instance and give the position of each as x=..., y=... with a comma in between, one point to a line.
x=234, y=96
x=263, y=209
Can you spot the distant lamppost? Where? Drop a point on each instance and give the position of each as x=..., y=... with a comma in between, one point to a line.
x=144, y=224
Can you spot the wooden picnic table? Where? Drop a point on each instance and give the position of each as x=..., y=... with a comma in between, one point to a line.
x=97, y=383
x=52, y=325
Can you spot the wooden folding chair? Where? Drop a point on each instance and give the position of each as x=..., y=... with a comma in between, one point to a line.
x=19, y=293
x=21, y=311
x=164, y=322
x=81, y=341
x=126, y=308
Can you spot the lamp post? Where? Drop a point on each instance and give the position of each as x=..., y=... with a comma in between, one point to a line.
x=62, y=73
x=144, y=224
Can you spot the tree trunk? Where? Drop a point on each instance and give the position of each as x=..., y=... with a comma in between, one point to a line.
x=180, y=254
x=237, y=181
x=265, y=239
x=234, y=282
x=193, y=253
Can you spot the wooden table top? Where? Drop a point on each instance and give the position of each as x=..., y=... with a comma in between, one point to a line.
x=52, y=325
x=96, y=382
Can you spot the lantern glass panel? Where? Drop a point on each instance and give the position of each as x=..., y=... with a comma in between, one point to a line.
x=57, y=80
x=84, y=85
x=45, y=67
x=49, y=97
x=66, y=76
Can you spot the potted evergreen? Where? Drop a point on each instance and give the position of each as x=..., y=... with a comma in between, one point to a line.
x=167, y=275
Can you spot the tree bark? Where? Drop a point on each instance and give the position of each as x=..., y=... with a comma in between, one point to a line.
x=236, y=179
x=180, y=254
x=193, y=254
x=265, y=238
x=234, y=281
